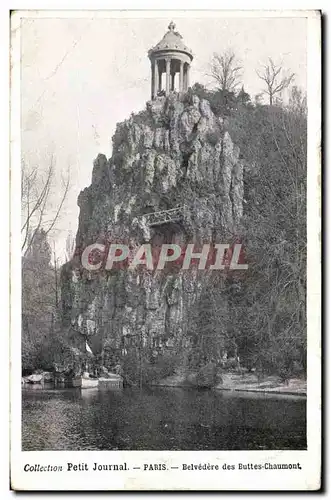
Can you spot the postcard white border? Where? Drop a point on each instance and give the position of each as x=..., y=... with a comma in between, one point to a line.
x=305, y=479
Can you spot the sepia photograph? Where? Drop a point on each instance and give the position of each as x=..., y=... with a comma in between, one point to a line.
x=164, y=222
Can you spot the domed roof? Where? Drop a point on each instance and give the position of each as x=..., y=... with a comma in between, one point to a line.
x=172, y=40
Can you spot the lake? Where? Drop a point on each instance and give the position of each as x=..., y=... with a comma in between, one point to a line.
x=161, y=419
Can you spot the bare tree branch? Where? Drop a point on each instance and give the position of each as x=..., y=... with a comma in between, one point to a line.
x=65, y=192
x=225, y=70
x=36, y=204
x=43, y=193
x=275, y=78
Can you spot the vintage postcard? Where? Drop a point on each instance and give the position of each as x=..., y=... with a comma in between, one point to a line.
x=165, y=277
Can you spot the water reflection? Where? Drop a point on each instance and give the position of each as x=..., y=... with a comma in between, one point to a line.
x=160, y=419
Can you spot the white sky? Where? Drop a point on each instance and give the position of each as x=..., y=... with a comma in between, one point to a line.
x=82, y=76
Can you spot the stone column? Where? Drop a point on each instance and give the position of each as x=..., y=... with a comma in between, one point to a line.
x=152, y=79
x=167, y=76
x=187, y=76
x=156, y=70
x=181, y=77
x=173, y=81
x=160, y=80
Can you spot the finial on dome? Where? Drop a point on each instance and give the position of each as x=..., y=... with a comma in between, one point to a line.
x=172, y=26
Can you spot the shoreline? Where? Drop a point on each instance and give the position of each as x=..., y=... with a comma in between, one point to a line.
x=230, y=382
x=265, y=391
x=227, y=389
x=249, y=383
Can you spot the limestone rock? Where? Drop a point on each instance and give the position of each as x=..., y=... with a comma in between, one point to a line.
x=174, y=153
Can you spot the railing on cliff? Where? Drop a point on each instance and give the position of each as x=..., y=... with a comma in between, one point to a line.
x=163, y=216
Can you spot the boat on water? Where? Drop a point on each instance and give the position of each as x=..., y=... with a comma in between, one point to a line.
x=107, y=380
x=85, y=381
x=112, y=381
x=35, y=378
x=88, y=383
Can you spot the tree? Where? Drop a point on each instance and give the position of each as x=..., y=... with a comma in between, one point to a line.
x=70, y=246
x=243, y=98
x=222, y=102
x=268, y=311
x=226, y=70
x=297, y=101
x=43, y=341
x=37, y=209
x=208, y=319
x=275, y=78
x=38, y=299
x=40, y=290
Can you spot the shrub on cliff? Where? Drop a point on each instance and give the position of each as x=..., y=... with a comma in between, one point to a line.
x=214, y=136
x=222, y=102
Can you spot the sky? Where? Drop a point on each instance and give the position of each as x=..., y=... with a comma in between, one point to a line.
x=81, y=76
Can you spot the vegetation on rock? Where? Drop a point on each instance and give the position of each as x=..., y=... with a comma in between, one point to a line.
x=179, y=150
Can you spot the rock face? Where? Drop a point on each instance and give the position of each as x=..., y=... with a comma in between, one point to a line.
x=174, y=153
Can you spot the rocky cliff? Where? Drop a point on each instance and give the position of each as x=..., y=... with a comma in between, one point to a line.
x=174, y=153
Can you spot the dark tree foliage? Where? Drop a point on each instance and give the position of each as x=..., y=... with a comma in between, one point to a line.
x=243, y=98
x=43, y=343
x=270, y=308
x=267, y=306
x=37, y=300
x=222, y=102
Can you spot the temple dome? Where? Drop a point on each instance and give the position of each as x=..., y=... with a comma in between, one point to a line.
x=172, y=41
x=172, y=57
